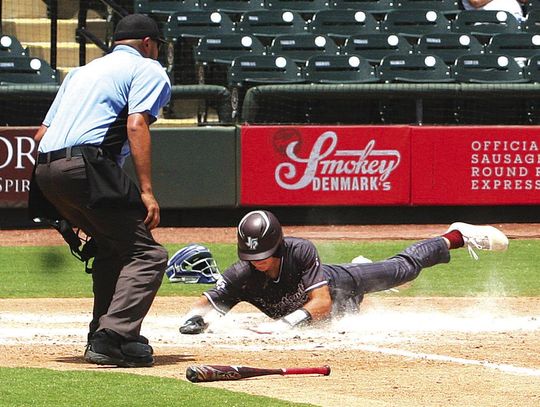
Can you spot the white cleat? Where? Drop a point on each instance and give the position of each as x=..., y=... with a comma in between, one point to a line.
x=481, y=237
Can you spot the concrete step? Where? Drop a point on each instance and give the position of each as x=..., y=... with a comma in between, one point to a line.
x=39, y=29
x=68, y=52
x=24, y=9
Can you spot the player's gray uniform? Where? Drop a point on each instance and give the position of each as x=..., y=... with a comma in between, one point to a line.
x=301, y=272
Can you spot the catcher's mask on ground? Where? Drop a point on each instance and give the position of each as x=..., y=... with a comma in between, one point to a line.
x=259, y=236
x=192, y=264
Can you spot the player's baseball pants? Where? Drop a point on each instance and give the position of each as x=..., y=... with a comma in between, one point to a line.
x=349, y=282
x=129, y=265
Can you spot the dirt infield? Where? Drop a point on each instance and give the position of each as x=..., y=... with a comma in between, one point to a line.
x=395, y=352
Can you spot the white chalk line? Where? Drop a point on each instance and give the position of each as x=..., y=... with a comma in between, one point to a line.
x=163, y=331
x=503, y=367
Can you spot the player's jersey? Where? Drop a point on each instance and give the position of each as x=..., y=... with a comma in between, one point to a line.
x=300, y=273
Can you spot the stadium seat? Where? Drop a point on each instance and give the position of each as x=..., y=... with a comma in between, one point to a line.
x=10, y=46
x=520, y=46
x=159, y=7
x=197, y=24
x=444, y=6
x=415, y=68
x=488, y=68
x=532, y=69
x=415, y=23
x=232, y=6
x=449, y=46
x=214, y=53
x=343, y=23
x=339, y=69
x=263, y=69
x=532, y=22
x=485, y=22
x=252, y=70
x=300, y=47
x=182, y=32
x=375, y=47
x=267, y=24
x=302, y=6
x=371, y=6
x=26, y=70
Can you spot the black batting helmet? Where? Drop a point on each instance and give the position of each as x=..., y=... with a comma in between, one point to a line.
x=259, y=235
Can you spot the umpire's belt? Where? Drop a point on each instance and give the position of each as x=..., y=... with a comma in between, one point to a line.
x=68, y=152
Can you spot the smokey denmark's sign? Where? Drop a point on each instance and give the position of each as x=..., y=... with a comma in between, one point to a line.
x=17, y=152
x=360, y=165
x=476, y=165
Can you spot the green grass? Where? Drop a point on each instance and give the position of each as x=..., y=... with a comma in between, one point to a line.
x=43, y=387
x=28, y=272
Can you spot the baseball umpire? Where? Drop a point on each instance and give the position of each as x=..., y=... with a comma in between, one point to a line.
x=101, y=114
x=284, y=278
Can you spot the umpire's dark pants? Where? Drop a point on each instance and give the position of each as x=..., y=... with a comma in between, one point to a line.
x=129, y=264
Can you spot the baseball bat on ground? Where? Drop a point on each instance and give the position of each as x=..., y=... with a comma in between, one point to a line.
x=212, y=373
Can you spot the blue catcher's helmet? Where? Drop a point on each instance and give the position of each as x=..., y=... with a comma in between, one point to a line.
x=192, y=264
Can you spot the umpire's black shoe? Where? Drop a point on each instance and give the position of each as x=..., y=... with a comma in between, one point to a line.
x=106, y=347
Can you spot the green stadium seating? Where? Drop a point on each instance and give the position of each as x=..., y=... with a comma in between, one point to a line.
x=485, y=22
x=10, y=46
x=197, y=24
x=532, y=23
x=371, y=6
x=415, y=23
x=520, y=46
x=375, y=47
x=157, y=7
x=214, y=53
x=415, y=68
x=445, y=6
x=263, y=69
x=343, y=23
x=339, y=69
x=267, y=24
x=532, y=69
x=302, y=6
x=252, y=70
x=26, y=70
x=449, y=46
x=300, y=47
x=488, y=68
x=232, y=6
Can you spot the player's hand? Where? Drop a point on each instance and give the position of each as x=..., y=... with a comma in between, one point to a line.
x=152, y=210
x=274, y=327
x=194, y=325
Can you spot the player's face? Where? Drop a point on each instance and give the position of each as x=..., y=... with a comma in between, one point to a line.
x=268, y=266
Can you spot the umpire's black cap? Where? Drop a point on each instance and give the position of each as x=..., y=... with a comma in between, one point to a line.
x=137, y=26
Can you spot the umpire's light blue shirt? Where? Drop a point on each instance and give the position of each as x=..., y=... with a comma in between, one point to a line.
x=93, y=103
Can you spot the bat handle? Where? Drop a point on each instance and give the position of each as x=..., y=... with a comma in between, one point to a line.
x=324, y=370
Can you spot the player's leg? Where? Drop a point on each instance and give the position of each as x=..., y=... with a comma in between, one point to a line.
x=401, y=268
x=407, y=265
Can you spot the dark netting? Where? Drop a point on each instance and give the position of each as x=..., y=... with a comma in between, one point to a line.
x=42, y=40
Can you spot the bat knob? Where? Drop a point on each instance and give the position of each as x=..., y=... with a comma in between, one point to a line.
x=328, y=370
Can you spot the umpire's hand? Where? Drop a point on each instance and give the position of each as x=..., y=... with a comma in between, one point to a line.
x=152, y=208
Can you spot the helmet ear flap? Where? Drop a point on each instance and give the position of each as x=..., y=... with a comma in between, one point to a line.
x=192, y=264
x=259, y=235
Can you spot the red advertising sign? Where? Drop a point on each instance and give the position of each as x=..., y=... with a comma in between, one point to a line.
x=316, y=165
x=475, y=165
x=17, y=152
